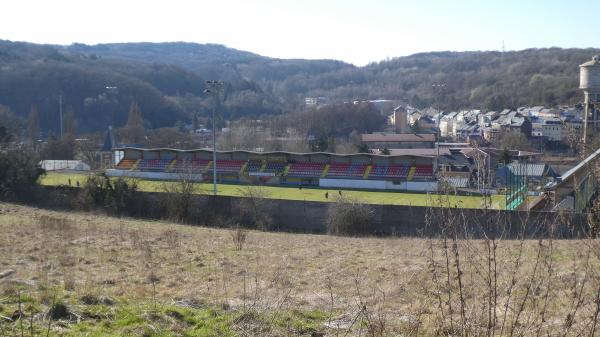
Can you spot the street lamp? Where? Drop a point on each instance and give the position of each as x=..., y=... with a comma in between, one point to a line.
x=214, y=88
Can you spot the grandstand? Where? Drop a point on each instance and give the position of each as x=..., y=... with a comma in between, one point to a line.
x=362, y=171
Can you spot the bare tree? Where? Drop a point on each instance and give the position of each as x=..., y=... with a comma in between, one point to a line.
x=70, y=122
x=349, y=216
x=512, y=140
x=86, y=150
x=180, y=202
x=254, y=208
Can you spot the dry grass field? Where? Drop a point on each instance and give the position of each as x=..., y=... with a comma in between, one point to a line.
x=81, y=274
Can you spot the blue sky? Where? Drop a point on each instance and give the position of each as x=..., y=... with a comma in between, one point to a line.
x=353, y=31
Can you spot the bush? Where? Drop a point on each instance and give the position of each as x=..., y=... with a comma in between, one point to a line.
x=238, y=235
x=19, y=172
x=348, y=216
x=116, y=196
x=253, y=208
x=59, y=311
x=180, y=200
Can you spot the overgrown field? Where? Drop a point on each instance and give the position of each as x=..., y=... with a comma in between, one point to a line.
x=308, y=194
x=78, y=274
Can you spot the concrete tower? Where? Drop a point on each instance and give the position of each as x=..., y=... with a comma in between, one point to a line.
x=589, y=82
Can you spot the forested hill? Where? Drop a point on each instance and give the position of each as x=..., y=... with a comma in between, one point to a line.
x=471, y=79
x=166, y=79
x=213, y=60
x=33, y=75
x=36, y=75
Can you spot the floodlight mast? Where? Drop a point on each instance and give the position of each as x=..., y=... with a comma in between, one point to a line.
x=214, y=89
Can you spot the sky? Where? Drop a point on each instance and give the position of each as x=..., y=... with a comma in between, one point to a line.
x=354, y=31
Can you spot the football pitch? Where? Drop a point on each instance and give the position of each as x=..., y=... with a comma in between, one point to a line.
x=306, y=193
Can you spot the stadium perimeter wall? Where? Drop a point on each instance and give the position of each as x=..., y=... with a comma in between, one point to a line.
x=153, y=175
x=416, y=186
x=310, y=217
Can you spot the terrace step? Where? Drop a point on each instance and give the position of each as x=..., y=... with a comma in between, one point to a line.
x=135, y=165
x=263, y=167
x=325, y=171
x=243, y=169
x=411, y=173
x=171, y=165
x=205, y=169
x=367, y=171
x=286, y=170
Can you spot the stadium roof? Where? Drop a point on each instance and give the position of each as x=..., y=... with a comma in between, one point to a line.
x=537, y=170
x=272, y=152
x=398, y=137
x=579, y=166
x=458, y=182
x=418, y=152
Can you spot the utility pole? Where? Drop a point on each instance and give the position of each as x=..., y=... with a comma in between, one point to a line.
x=60, y=115
x=214, y=89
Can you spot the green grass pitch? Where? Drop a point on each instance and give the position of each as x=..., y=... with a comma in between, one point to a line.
x=307, y=194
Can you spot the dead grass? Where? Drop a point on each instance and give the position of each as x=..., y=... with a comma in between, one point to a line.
x=278, y=283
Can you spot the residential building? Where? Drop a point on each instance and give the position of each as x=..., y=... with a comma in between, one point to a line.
x=553, y=129
x=399, y=120
x=446, y=124
x=314, y=101
x=574, y=129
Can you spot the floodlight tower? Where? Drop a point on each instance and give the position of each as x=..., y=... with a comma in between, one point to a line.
x=215, y=88
x=589, y=82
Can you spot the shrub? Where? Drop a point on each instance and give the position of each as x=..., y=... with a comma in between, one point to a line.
x=116, y=196
x=59, y=310
x=19, y=171
x=348, y=216
x=238, y=236
x=253, y=208
x=180, y=196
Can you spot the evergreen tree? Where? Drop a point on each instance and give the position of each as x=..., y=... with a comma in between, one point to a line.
x=70, y=123
x=134, y=131
x=33, y=124
x=363, y=148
